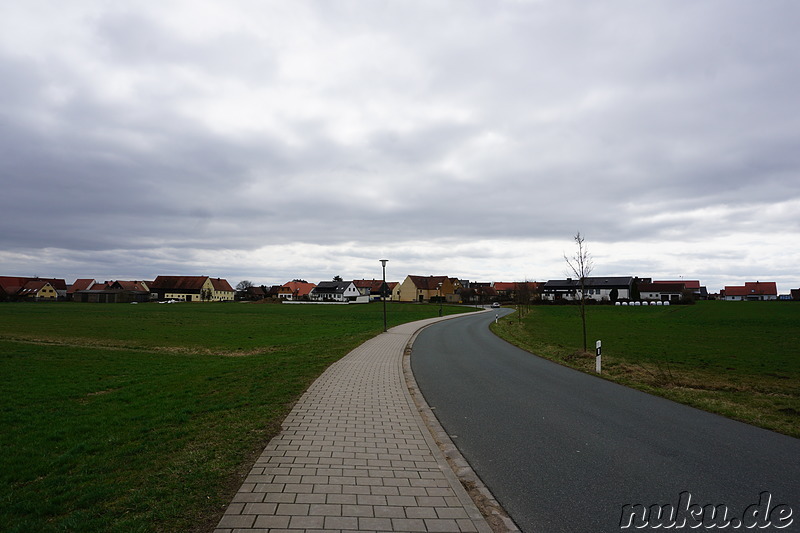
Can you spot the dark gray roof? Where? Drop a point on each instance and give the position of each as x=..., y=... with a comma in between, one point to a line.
x=608, y=282
x=331, y=287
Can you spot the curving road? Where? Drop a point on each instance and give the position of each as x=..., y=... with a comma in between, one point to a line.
x=564, y=451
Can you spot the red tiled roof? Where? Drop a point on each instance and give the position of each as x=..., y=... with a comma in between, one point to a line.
x=736, y=291
x=221, y=285
x=513, y=285
x=374, y=285
x=13, y=284
x=255, y=291
x=762, y=287
x=299, y=288
x=57, y=283
x=430, y=283
x=80, y=285
x=131, y=285
x=179, y=282
x=752, y=287
x=34, y=285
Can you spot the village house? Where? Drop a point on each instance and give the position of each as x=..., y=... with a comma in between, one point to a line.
x=425, y=288
x=597, y=288
x=15, y=288
x=751, y=291
x=369, y=287
x=295, y=290
x=81, y=284
x=337, y=291
x=394, y=291
x=37, y=291
x=512, y=291
x=192, y=289
x=661, y=292
x=372, y=288
x=89, y=291
x=699, y=292
x=476, y=292
x=274, y=290
x=253, y=293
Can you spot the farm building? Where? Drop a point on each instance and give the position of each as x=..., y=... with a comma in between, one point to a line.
x=192, y=289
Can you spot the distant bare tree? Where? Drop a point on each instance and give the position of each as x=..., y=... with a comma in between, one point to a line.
x=523, y=296
x=244, y=285
x=581, y=266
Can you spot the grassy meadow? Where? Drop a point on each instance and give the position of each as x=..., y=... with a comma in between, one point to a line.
x=738, y=359
x=145, y=417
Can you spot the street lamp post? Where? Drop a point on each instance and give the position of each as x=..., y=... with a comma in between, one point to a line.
x=383, y=291
x=440, y=299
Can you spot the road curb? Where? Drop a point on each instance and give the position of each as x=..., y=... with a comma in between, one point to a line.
x=498, y=519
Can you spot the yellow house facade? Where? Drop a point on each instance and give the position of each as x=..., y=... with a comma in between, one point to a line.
x=423, y=288
x=39, y=290
x=221, y=291
x=394, y=296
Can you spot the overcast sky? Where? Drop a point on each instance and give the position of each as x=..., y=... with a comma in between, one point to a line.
x=276, y=140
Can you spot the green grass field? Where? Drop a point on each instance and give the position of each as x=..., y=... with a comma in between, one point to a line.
x=145, y=417
x=738, y=359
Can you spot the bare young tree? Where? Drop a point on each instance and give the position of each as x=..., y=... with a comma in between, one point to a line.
x=581, y=266
x=244, y=285
x=523, y=297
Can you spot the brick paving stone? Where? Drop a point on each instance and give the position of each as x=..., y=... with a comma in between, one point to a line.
x=233, y=520
x=440, y=524
x=271, y=521
x=260, y=508
x=408, y=524
x=389, y=512
x=306, y=522
x=375, y=524
x=421, y=512
x=354, y=455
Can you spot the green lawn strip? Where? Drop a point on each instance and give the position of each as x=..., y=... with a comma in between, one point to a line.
x=104, y=430
x=736, y=359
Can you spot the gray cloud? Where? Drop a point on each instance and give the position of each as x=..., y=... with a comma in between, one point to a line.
x=140, y=139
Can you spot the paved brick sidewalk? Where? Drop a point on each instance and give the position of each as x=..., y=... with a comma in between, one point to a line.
x=354, y=455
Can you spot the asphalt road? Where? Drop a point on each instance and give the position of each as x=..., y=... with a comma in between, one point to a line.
x=564, y=451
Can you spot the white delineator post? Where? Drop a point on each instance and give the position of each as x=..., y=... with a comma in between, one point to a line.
x=597, y=359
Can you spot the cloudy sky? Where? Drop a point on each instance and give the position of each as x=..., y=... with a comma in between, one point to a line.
x=268, y=140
